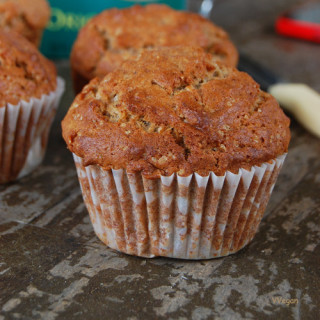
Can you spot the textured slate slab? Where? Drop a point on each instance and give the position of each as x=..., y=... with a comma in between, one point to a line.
x=52, y=266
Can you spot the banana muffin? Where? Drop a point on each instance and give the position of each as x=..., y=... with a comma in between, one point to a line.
x=26, y=17
x=116, y=35
x=176, y=153
x=29, y=95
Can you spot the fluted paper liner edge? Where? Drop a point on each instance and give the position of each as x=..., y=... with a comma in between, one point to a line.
x=190, y=217
x=24, y=131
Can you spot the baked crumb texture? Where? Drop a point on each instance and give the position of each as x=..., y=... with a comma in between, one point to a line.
x=24, y=72
x=26, y=17
x=116, y=35
x=175, y=110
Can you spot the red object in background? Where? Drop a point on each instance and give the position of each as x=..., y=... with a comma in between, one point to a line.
x=303, y=22
x=298, y=29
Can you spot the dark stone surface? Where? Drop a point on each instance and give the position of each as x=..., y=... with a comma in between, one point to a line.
x=52, y=266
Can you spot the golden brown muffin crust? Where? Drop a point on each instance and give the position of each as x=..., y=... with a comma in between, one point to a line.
x=115, y=35
x=175, y=110
x=24, y=72
x=27, y=17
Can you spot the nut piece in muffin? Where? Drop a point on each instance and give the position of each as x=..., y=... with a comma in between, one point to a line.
x=116, y=35
x=176, y=154
x=29, y=94
x=27, y=17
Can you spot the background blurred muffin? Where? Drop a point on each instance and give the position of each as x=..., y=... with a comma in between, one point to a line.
x=176, y=153
x=29, y=95
x=27, y=17
x=115, y=35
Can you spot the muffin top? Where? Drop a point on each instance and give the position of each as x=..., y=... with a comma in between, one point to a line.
x=24, y=72
x=22, y=15
x=115, y=35
x=175, y=109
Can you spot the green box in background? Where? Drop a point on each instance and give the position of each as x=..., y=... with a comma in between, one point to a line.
x=67, y=17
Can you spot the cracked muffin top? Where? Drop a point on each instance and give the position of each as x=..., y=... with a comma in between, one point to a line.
x=175, y=109
x=24, y=72
x=26, y=17
x=115, y=35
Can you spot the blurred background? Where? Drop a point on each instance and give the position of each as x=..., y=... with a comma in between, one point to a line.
x=67, y=18
x=251, y=25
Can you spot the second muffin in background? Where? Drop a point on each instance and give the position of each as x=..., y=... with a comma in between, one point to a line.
x=176, y=154
x=116, y=35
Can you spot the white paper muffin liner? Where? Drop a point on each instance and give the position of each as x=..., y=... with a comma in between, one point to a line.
x=190, y=217
x=24, y=131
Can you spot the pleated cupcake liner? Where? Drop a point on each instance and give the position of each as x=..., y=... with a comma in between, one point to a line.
x=191, y=217
x=24, y=131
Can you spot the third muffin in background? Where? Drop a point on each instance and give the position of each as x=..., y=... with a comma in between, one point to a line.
x=29, y=96
x=116, y=35
x=26, y=17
